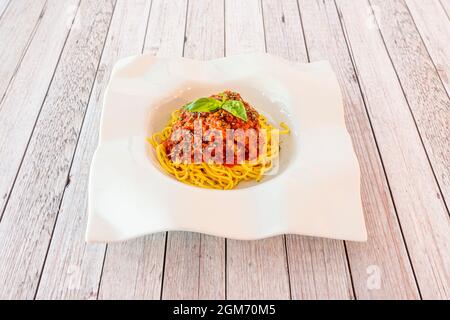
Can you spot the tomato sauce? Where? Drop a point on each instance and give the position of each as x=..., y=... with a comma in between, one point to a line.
x=219, y=122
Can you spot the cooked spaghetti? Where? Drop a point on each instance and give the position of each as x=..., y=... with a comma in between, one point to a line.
x=230, y=161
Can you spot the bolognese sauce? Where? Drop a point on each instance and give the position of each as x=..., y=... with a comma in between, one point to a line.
x=217, y=125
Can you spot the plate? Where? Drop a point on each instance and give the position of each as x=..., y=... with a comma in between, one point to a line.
x=314, y=190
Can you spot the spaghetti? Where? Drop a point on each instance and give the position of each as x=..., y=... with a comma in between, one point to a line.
x=208, y=173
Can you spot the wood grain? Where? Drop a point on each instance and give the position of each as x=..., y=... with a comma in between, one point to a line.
x=391, y=59
x=422, y=213
x=317, y=267
x=433, y=24
x=196, y=260
x=3, y=5
x=421, y=85
x=27, y=224
x=446, y=5
x=17, y=26
x=22, y=102
x=133, y=269
x=73, y=268
x=165, y=33
x=255, y=269
x=385, y=248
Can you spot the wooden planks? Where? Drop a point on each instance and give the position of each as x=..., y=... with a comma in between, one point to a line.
x=27, y=224
x=73, y=268
x=423, y=89
x=384, y=249
x=195, y=260
x=133, y=269
x=395, y=87
x=430, y=106
x=17, y=26
x=433, y=24
x=124, y=276
x=446, y=5
x=3, y=5
x=317, y=267
x=255, y=269
x=422, y=214
x=27, y=90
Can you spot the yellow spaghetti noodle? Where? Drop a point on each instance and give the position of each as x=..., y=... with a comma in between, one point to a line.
x=217, y=176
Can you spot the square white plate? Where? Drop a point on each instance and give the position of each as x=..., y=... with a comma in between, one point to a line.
x=315, y=192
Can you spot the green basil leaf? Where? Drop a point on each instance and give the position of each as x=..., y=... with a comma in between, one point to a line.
x=236, y=108
x=204, y=105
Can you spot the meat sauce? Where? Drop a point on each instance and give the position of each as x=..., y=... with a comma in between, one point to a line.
x=218, y=121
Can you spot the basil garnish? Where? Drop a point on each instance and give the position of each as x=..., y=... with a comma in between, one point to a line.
x=235, y=107
x=204, y=105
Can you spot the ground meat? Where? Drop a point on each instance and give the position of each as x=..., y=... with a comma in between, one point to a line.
x=219, y=120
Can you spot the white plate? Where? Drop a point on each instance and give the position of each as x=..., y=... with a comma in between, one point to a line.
x=315, y=192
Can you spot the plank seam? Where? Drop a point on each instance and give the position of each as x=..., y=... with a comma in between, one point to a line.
x=199, y=264
x=75, y=150
x=303, y=32
x=4, y=10
x=35, y=123
x=425, y=45
x=226, y=269
x=101, y=273
x=309, y=60
x=185, y=26
x=358, y=76
x=164, y=265
x=284, y=236
x=167, y=233
x=445, y=11
x=287, y=266
x=350, y=270
x=263, y=24
x=408, y=103
x=24, y=51
x=106, y=246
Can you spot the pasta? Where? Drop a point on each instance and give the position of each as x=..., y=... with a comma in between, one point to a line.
x=216, y=175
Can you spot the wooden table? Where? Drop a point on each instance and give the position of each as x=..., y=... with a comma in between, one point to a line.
x=392, y=59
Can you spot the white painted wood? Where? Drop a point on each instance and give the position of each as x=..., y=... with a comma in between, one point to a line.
x=255, y=269
x=283, y=30
x=446, y=5
x=165, y=34
x=21, y=104
x=124, y=275
x=133, y=269
x=423, y=216
x=423, y=89
x=433, y=24
x=212, y=268
x=34, y=35
x=385, y=247
x=73, y=268
x=182, y=263
x=198, y=261
x=3, y=5
x=27, y=224
x=317, y=267
x=17, y=26
x=244, y=30
x=205, y=30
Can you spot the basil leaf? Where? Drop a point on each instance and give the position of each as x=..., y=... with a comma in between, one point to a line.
x=236, y=108
x=204, y=105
